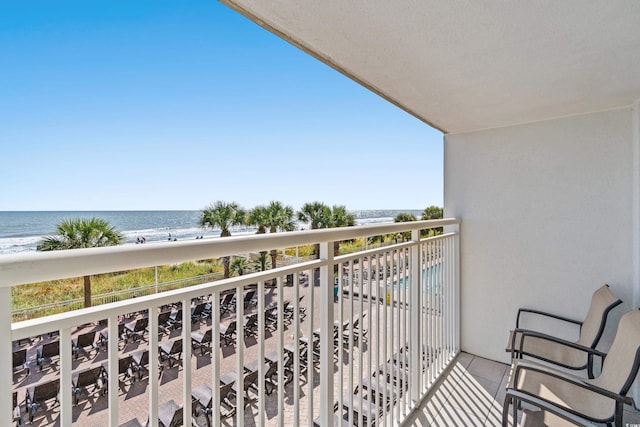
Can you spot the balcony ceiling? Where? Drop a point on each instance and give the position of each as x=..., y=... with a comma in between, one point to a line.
x=462, y=65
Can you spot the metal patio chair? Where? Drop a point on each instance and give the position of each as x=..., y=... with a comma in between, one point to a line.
x=125, y=370
x=575, y=399
x=201, y=340
x=169, y=414
x=250, y=324
x=39, y=394
x=542, y=346
x=228, y=332
x=171, y=351
x=103, y=338
x=47, y=353
x=20, y=361
x=82, y=342
x=92, y=377
x=202, y=397
x=197, y=312
x=136, y=330
x=249, y=382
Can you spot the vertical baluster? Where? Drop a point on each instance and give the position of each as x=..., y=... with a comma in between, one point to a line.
x=215, y=358
x=66, y=397
x=280, y=329
x=379, y=298
x=351, y=314
x=339, y=336
x=261, y=380
x=385, y=307
x=395, y=286
x=360, y=325
x=415, y=310
x=112, y=367
x=296, y=354
x=370, y=284
x=240, y=355
x=326, y=338
x=154, y=369
x=186, y=358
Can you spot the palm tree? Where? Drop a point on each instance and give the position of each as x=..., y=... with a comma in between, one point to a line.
x=82, y=233
x=279, y=218
x=222, y=215
x=318, y=215
x=433, y=212
x=239, y=265
x=404, y=217
x=340, y=217
x=259, y=217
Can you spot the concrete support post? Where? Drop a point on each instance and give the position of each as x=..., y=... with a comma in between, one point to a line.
x=326, y=335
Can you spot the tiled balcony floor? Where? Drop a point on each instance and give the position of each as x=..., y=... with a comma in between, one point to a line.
x=472, y=394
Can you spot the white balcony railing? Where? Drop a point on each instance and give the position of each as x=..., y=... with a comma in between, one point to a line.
x=372, y=330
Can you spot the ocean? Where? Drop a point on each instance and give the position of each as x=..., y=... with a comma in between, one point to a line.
x=20, y=231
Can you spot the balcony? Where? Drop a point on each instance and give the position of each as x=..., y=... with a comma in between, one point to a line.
x=311, y=340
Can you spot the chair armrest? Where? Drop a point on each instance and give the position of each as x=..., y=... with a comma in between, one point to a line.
x=534, y=334
x=543, y=313
x=524, y=333
x=571, y=379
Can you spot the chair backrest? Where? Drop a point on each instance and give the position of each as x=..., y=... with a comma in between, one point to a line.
x=198, y=309
x=177, y=346
x=249, y=295
x=249, y=379
x=51, y=349
x=124, y=363
x=177, y=418
x=163, y=317
x=227, y=298
x=602, y=302
x=86, y=339
x=207, y=336
x=89, y=377
x=623, y=360
x=143, y=358
x=231, y=328
x=19, y=357
x=225, y=389
x=46, y=391
x=141, y=324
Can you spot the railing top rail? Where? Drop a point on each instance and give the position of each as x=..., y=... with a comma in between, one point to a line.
x=33, y=267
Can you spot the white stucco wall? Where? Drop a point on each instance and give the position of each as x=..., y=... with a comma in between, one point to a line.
x=546, y=213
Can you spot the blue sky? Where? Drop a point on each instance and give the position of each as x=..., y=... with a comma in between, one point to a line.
x=124, y=105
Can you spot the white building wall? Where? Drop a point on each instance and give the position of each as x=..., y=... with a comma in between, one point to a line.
x=546, y=213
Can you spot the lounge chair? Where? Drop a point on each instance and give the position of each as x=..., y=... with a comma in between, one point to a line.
x=136, y=330
x=171, y=351
x=363, y=409
x=84, y=341
x=103, y=338
x=228, y=332
x=250, y=324
x=93, y=377
x=354, y=330
x=17, y=413
x=169, y=414
x=20, y=361
x=175, y=319
x=164, y=321
x=125, y=369
x=202, y=340
x=47, y=353
x=202, y=397
x=197, y=312
x=270, y=371
x=249, y=381
x=576, y=399
x=535, y=344
x=227, y=303
x=250, y=299
x=39, y=394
